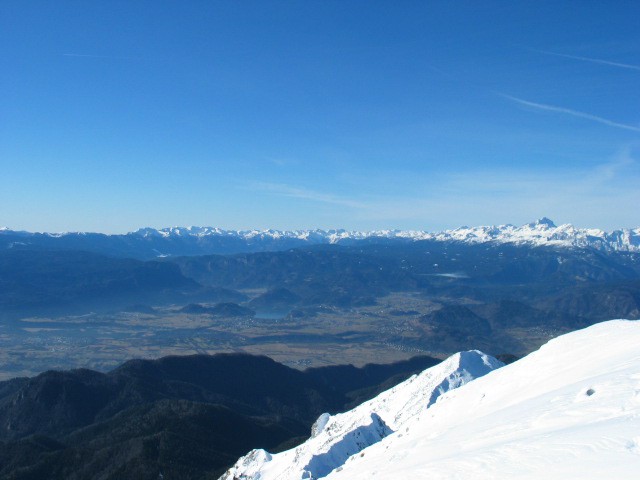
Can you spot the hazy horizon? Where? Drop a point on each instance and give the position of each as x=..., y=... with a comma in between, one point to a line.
x=4, y=227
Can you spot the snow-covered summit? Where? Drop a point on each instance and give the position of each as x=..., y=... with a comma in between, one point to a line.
x=542, y=223
x=545, y=233
x=334, y=438
x=568, y=410
x=180, y=232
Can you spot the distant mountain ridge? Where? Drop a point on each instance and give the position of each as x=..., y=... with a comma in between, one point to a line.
x=148, y=243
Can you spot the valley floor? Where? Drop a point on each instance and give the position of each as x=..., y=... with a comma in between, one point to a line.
x=386, y=332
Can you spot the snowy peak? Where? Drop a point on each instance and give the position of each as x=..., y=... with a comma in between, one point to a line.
x=544, y=232
x=543, y=223
x=464, y=367
x=335, y=438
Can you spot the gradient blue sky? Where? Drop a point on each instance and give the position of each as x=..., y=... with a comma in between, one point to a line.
x=334, y=114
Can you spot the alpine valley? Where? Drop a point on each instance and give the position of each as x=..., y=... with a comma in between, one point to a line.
x=193, y=353
x=313, y=298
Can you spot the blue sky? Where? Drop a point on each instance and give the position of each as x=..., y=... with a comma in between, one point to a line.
x=333, y=114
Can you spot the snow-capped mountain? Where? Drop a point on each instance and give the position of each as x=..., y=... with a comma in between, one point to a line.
x=150, y=242
x=540, y=232
x=335, y=438
x=569, y=410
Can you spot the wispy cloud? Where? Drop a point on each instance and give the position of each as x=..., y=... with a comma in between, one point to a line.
x=281, y=161
x=598, y=196
x=619, y=172
x=307, y=194
x=574, y=113
x=620, y=165
x=588, y=59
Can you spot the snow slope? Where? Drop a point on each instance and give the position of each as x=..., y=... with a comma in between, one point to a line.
x=569, y=410
x=335, y=438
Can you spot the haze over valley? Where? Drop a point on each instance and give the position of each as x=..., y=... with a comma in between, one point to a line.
x=304, y=300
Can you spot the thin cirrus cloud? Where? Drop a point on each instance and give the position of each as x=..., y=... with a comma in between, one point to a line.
x=465, y=198
x=492, y=197
x=573, y=113
x=588, y=59
x=584, y=196
x=307, y=194
x=109, y=57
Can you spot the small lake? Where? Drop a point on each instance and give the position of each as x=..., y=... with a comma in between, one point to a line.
x=271, y=315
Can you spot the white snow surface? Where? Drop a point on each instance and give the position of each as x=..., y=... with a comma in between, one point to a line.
x=334, y=438
x=570, y=410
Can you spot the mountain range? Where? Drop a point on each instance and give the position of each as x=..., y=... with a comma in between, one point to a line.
x=148, y=243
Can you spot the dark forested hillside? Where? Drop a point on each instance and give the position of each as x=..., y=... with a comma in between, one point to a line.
x=553, y=286
x=39, y=282
x=185, y=417
x=542, y=278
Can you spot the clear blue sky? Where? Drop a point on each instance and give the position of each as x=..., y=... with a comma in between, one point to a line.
x=334, y=114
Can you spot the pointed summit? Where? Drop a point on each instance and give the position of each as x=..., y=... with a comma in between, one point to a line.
x=336, y=438
x=543, y=222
